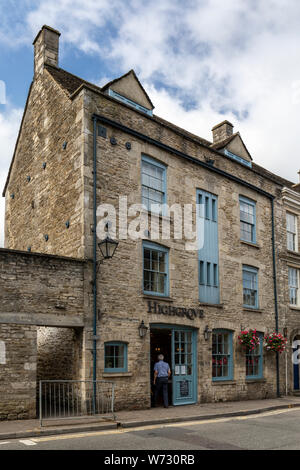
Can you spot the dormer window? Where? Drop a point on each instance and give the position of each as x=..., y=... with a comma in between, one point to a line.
x=237, y=158
x=129, y=102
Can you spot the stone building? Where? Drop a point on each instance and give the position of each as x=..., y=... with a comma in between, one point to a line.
x=289, y=269
x=81, y=146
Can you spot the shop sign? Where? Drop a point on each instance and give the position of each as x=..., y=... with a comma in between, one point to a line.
x=170, y=310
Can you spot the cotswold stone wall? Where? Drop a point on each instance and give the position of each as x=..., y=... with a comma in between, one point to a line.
x=18, y=371
x=63, y=191
x=121, y=301
x=38, y=290
x=41, y=199
x=286, y=259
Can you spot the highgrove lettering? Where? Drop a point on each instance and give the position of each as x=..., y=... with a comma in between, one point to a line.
x=190, y=313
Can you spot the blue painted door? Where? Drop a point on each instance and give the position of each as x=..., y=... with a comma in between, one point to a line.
x=208, y=253
x=184, y=370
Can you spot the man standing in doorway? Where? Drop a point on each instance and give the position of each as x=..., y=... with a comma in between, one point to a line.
x=162, y=373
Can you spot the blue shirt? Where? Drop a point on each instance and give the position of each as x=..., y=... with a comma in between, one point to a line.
x=162, y=368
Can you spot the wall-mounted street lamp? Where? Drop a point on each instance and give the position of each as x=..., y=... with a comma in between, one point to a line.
x=108, y=247
x=206, y=333
x=143, y=329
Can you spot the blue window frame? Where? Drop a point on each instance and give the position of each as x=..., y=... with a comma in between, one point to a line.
x=237, y=158
x=248, y=219
x=222, y=357
x=125, y=100
x=154, y=185
x=115, y=356
x=294, y=276
x=250, y=286
x=254, y=361
x=291, y=231
x=155, y=269
x=208, y=254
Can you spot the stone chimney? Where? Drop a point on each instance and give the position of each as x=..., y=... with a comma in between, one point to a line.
x=222, y=131
x=45, y=48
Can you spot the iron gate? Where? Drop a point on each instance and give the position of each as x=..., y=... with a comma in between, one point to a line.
x=73, y=399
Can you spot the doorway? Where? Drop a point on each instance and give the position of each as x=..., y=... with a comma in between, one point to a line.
x=59, y=356
x=179, y=346
x=160, y=343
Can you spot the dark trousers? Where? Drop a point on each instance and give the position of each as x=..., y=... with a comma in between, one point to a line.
x=162, y=383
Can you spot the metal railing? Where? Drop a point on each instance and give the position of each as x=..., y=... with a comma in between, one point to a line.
x=73, y=399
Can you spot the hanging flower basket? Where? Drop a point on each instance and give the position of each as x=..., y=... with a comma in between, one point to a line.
x=249, y=339
x=275, y=342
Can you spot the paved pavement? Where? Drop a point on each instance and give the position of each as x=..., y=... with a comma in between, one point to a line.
x=126, y=419
x=269, y=430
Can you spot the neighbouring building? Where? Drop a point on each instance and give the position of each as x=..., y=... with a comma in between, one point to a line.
x=81, y=146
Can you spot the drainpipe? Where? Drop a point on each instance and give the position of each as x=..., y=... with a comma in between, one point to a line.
x=275, y=294
x=94, y=261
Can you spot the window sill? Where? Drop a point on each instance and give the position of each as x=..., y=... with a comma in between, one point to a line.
x=250, y=244
x=255, y=310
x=294, y=307
x=224, y=382
x=116, y=374
x=204, y=304
x=292, y=252
x=157, y=297
x=255, y=380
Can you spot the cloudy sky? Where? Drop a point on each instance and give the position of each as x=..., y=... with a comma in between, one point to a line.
x=201, y=61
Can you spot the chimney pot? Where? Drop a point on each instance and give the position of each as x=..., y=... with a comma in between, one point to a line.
x=222, y=131
x=46, y=46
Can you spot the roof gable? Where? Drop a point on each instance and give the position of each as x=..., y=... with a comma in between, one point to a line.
x=130, y=87
x=235, y=145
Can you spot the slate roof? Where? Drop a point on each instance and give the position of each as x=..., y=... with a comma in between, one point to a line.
x=71, y=83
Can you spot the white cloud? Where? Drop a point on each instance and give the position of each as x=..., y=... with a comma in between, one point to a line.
x=9, y=126
x=235, y=60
